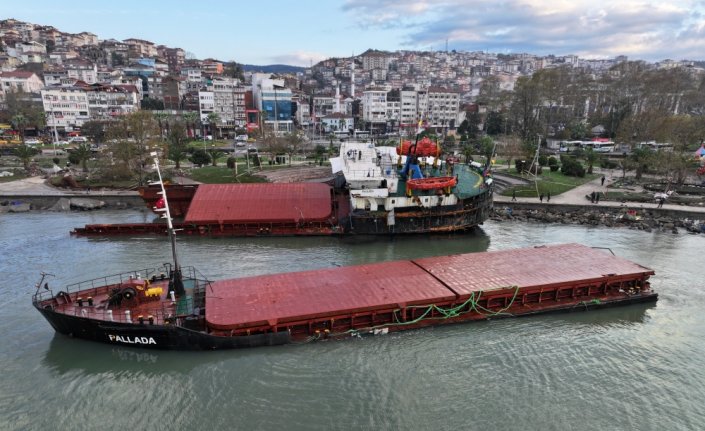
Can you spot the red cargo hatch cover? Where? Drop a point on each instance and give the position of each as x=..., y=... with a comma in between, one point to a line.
x=527, y=267
x=260, y=203
x=281, y=298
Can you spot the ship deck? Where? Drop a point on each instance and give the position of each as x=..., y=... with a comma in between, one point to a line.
x=394, y=292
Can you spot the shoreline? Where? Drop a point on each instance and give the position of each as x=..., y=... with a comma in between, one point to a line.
x=624, y=216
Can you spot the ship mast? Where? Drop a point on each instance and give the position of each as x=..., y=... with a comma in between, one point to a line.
x=176, y=283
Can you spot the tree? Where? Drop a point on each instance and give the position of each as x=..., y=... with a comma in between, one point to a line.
x=190, y=118
x=25, y=154
x=212, y=120
x=177, y=144
x=81, y=155
x=200, y=157
x=94, y=130
x=591, y=157
x=293, y=143
x=215, y=154
x=640, y=157
x=19, y=122
x=134, y=135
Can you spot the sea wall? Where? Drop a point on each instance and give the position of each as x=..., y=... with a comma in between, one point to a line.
x=646, y=219
x=54, y=202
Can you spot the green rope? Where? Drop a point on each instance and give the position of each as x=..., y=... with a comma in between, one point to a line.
x=472, y=304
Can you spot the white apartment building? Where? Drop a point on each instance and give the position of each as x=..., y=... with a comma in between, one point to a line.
x=226, y=97
x=443, y=106
x=20, y=80
x=108, y=101
x=61, y=75
x=374, y=108
x=65, y=107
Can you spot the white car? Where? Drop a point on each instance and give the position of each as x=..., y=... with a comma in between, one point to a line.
x=33, y=141
x=78, y=139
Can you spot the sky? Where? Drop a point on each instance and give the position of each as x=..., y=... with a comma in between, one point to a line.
x=304, y=32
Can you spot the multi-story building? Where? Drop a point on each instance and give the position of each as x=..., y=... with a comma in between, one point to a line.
x=375, y=60
x=107, y=101
x=212, y=67
x=139, y=48
x=323, y=104
x=274, y=101
x=374, y=108
x=174, y=57
x=225, y=97
x=174, y=90
x=443, y=106
x=65, y=107
x=20, y=80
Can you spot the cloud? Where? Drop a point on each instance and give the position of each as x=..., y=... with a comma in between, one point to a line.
x=646, y=29
x=298, y=58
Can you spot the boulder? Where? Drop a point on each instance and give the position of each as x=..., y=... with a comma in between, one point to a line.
x=19, y=207
x=86, y=204
x=63, y=204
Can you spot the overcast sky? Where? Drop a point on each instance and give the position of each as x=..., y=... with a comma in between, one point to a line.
x=306, y=31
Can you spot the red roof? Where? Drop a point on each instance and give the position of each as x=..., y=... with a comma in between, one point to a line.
x=260, y=203
x=17, y=74
x=280, y=298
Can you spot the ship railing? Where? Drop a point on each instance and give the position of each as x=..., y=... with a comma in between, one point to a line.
x=187, y=272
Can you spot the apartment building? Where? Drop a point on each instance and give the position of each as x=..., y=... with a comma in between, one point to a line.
x=225, y=97
x=273, y=99
x=66, y=107
x=20, y=80
x=374, y=108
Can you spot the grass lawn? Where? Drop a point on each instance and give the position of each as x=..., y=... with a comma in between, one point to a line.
x=549, y=182
x=222, y=175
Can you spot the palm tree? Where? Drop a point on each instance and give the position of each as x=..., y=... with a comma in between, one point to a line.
x=25, y=154
x=213, y=120
x=190, y=119
x=163, y=120
x=83, y=154
x=19, y=122
x=176, y=141
x=591, y=157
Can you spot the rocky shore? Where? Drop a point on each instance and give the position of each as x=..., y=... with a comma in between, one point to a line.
x=642, y=219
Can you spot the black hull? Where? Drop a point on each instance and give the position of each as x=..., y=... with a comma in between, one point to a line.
x=467, y=214
x=157, y=337
x=178, y=338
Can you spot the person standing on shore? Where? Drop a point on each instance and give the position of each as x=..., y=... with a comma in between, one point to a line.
x=514, y=195
x=597, y=197
x=660, y=202
x=548, y=197
x=592, y=197
x=541, y=197
x=603, y=180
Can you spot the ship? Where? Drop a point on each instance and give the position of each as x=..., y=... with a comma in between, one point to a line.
x=174, y=307
x=407, y=189
x=411, y=189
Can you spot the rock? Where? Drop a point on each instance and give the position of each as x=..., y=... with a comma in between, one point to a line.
x=19, y=208
x=86, y=204
x=63, y=204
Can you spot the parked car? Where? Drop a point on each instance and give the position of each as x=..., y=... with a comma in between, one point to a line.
x=78, y=139
x=241, y=138
x=33, y=141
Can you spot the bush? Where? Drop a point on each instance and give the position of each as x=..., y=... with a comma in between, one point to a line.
x=608, y=164
x=553, y=164
x=200, y=157
x=231, y=162
x=571, y=167
x=543, y=160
